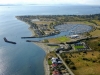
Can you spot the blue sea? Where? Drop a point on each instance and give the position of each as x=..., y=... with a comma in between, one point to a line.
x=27, y=58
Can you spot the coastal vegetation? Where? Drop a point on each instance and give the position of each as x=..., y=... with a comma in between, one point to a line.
x=94, y=44
x=83, y=63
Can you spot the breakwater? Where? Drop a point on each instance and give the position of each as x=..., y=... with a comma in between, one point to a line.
x=9, y=41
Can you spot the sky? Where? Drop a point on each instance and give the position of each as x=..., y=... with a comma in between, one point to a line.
x=83, y=2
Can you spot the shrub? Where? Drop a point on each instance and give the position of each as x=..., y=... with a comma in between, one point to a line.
x=45, y=41
x=67, y=61
x=63, y=55
x=84, y=58
x=99, y=44
x=73, y=67
x=94, y=60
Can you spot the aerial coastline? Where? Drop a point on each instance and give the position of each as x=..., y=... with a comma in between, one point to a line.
x=42, y=26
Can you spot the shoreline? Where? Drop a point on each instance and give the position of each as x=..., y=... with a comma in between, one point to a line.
x=47, y=49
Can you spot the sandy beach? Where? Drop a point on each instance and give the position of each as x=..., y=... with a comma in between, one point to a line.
x=47, y=49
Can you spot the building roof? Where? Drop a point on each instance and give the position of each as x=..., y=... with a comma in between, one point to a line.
x=73, y=36
x=54, y=65
x=59, y=62
x=55, y=73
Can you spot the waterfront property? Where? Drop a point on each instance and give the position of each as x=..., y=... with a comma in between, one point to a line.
x=56, y=66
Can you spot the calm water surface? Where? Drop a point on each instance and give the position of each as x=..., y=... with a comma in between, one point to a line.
x=27, y=58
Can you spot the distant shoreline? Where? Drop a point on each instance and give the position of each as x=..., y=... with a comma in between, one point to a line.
x=44, y=25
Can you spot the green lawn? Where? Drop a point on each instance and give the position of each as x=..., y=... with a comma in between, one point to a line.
x=63, y=39
x=49, y=62
x=59, y=39
x=78, y=47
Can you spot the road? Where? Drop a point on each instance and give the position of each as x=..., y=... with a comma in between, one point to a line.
x=70, y=72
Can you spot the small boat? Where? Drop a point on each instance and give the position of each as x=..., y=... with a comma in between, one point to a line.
x=8, y=41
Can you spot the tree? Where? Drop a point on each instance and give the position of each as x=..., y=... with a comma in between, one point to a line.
x=63, y=55
x=99, y=44
x=73, y=67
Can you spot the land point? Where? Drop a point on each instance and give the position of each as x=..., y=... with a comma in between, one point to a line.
x=78, y=54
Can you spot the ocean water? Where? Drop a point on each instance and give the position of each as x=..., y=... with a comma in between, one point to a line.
x=27, y=58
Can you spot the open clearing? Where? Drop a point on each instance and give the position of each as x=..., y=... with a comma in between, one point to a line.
x=59, y=39
x=90, y=66
x=95, y=33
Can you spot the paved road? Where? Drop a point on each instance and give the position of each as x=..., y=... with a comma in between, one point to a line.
x=70, y=72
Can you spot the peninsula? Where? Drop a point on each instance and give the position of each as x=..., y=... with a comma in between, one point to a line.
x=44, y=25
x=67, y=55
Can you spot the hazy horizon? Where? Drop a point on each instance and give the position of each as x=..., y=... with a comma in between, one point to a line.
x=50, y=2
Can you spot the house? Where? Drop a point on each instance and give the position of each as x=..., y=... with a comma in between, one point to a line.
x=56, y=60
x=59, y=61
x=55, y=72
x=54, y=65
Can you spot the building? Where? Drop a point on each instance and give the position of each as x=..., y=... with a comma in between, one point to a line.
x=74, y=36
x=56, y=61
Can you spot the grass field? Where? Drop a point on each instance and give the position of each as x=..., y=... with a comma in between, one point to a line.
x=59, y=39
x=93, y=44
x=97, y=22
x=49, y=62
x=91, y=66
x=78, y=47
x=95, y=33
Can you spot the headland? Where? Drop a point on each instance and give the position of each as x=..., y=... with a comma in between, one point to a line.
x=57, y=48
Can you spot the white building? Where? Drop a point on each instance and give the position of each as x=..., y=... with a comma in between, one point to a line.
x=74, y=36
